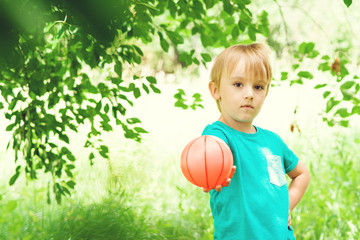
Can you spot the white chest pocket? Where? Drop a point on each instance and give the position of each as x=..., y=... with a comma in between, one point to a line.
x=275, y=169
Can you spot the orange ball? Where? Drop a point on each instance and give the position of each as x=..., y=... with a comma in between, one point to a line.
x=206, y=161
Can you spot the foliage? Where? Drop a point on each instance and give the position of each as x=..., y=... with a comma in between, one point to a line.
x=347, y=2
x=339, y=89
x=46, y=84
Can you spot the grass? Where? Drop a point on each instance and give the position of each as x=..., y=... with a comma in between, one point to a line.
x=331, y=207
x=141, y=194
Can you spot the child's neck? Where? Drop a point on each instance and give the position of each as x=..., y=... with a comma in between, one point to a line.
x=245, y=127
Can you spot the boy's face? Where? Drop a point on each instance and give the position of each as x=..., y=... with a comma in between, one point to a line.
x=241, y=96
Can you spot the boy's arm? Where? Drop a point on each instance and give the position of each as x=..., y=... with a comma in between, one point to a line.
x=300, y=180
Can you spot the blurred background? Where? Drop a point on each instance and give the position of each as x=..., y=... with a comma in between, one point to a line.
x=133, y=187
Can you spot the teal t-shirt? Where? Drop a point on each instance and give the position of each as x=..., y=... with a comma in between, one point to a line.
x=256, y=203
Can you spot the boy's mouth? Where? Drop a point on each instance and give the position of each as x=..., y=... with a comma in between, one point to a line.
x=247, y=106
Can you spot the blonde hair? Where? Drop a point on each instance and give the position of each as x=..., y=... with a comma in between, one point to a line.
x=255, y=57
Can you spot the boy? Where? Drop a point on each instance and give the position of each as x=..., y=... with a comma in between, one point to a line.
x=258, y=202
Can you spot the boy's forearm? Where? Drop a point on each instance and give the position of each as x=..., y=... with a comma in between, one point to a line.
x=297, y=188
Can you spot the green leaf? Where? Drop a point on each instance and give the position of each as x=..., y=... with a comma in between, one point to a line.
x=138, y=50
x=140, y=130
x=252, y=33
x=313, y=54
x=64, y=137
x=206, y=57
x=118, y=68
x=11, y=126
x=297, y=81
x=70, y=166
x=228, y=7
x=306, y=47
x=163, y=43
x=145, y=88
x=320, y=86
x=69, y=173
x=151, y=79
x=15, y=176
x=155, y=89
x=326, y=94
x=137, y=92
x=305, y=74
x=347, y=85
x=344, y=123
x=245, y=19
x=235, y=32
x=242, y=25
x=133, y=120
x=71, y=184
x=106, y=108
x=197, y=97
x=355, y=110
x=193, y=106
x=181, y=104
x=175, y=37
x=330, y=104
x=324, y=67
x=104, y=150
x=206, y=40
x=347, y=2
x=342, y=112
x=12, y=104
x=284, y=76
x=185, y=57
x=295, y=66
x=196, y=61
x=346, y=94
x=209, y=3
x=135, y=77
x=106, y=126
x=98, y=106
x=198, y=8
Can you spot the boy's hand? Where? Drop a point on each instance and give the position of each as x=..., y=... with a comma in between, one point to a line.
x=224, y=184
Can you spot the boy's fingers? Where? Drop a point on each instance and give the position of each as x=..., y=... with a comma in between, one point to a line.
x=232, y=171
x=228, y=180
x=218, y=188
x=206, y=190
x=226, y=183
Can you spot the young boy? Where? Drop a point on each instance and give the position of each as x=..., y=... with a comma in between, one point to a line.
x=257, y=203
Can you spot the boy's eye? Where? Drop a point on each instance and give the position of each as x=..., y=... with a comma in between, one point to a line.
x=259, y=87
x=237, y=84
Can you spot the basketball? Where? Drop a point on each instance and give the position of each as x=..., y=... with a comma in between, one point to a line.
x=206, y=161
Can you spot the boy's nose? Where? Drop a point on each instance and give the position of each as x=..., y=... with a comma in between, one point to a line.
x=249, y=93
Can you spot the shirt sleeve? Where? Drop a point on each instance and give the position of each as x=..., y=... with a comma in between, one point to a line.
x=290, y=159
x=215, y=132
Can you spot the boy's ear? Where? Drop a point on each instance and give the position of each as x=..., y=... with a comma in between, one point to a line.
x=214, y=90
